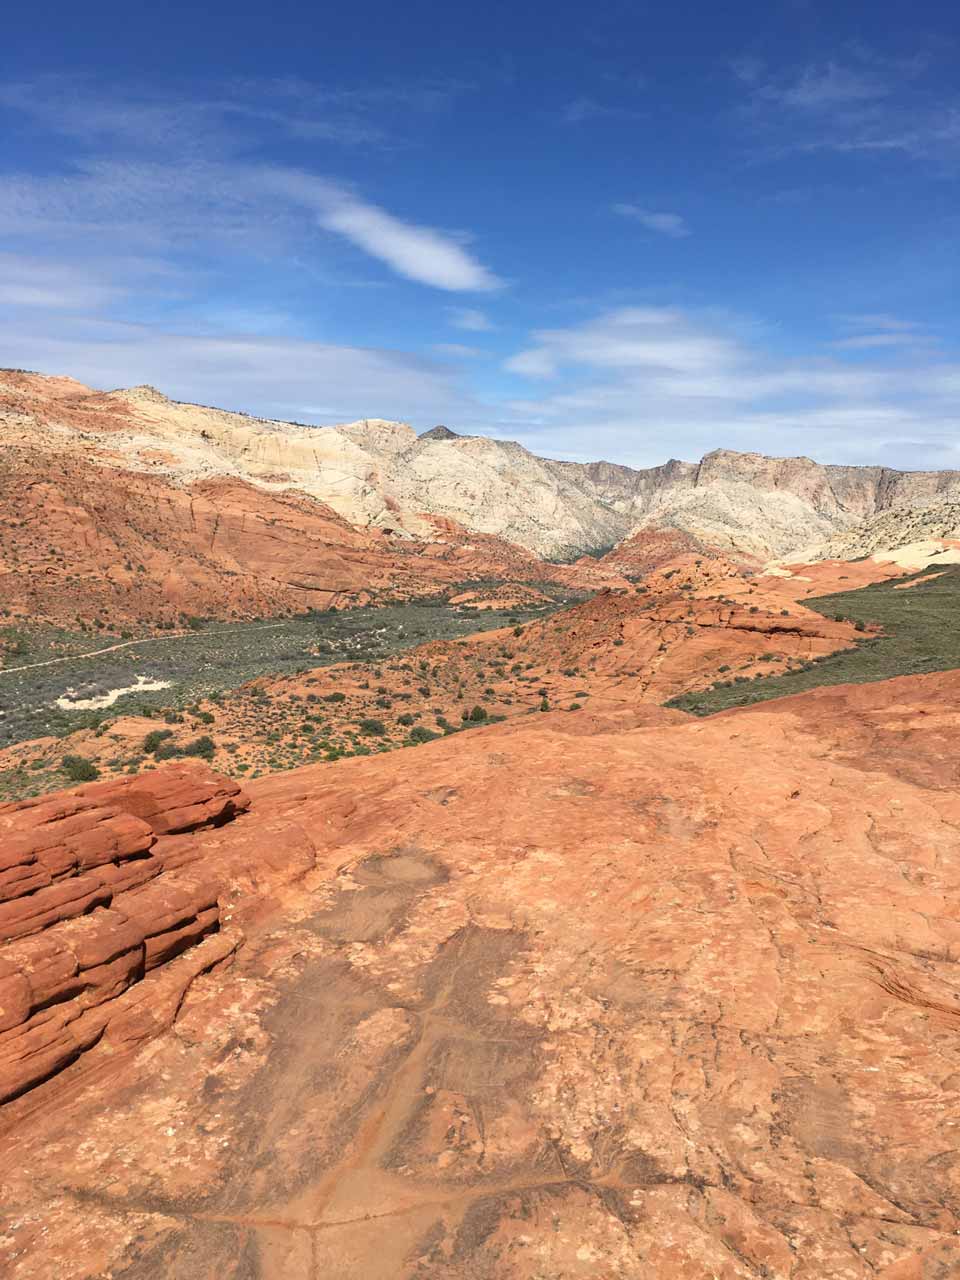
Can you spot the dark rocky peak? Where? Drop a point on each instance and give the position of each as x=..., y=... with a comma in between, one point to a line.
x=440, y=433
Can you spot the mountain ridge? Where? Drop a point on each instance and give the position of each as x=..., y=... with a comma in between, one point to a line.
x=379, y=473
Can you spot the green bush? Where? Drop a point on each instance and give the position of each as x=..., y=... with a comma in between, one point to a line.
x=153, y=740
x=204, y=747
x=420, y=734
x=372, y=727
x=79, y=769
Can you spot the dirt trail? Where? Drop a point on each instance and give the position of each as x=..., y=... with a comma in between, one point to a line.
x=126, y=644
x=339, y=1137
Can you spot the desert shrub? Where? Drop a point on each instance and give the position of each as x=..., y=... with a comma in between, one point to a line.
x=420, y=734
x=334, y=697
x=204, y=747
x=372, y=727
x=153, y=740
x=79, y=769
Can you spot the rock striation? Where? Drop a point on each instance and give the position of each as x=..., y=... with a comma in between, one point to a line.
x=92, y=909
x=86, y=539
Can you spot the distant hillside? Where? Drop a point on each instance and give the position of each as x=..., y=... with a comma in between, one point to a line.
x=377, y=473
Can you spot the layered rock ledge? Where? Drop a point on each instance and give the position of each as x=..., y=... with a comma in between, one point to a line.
x=98, y=897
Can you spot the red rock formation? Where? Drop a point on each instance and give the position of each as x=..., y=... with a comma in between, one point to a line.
x=621, y=994
x=90, y=541
x=88, y=908
x=649, y=549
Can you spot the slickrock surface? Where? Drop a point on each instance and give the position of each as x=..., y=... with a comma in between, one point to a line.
x=823, y=577
x=376, y=473
x=619, y=994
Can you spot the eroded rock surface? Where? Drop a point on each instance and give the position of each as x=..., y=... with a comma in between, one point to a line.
x=93, y=899
x=617, y=994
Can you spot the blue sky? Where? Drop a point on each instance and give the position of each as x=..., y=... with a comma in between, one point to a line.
x=630, y=231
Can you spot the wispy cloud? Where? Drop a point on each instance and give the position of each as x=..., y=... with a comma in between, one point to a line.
x=585, y=109
x=274, y=377
x=644, y=383
x=665, y=224
x=471, y=319
x=863, y=102
x=870, y=341
x=881, y=320
x=160, y=205
x=31, y=282
x=650, y=338
x=420, y=253
x=818, y=88
x=456, y=350
x=582, y=109
x=882, y=332
x=228, y=117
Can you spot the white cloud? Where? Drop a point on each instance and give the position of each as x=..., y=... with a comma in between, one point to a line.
x=420, y=253
x=264, y=209
x=882, y=332
x=643, y=384
x=31, y=282
x=869, y=104
x=666, y=224
x=868, y=341
x=657, y=339
x=274, y=377
x=873, y=320
x=158, y=170
x=470, y=319
x=226, y=118
x=582, y=109
x=457, y=350
x=818, y=87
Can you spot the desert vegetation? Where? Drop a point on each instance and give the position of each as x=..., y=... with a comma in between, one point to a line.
x=916, y=615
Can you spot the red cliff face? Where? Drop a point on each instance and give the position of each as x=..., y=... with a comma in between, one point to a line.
x=87, y=541
x=89, y=907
